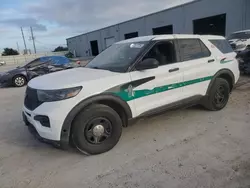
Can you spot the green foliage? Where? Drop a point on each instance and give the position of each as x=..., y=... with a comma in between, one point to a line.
x=60, y=49
x=9, y=51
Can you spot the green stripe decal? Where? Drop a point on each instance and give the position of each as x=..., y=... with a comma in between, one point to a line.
x=131, y=94
x=225, y=61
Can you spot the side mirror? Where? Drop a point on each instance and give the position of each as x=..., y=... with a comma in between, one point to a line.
x=149, y=63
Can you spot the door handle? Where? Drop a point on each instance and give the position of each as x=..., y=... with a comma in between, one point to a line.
x=211, y=60
x=173, y=70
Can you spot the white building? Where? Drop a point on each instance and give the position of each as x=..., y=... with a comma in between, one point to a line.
x=220, y=17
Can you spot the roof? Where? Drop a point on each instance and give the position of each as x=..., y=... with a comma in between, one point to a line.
x=212, y=36
x=137, y=39
x=177, y=4
x=162, y=37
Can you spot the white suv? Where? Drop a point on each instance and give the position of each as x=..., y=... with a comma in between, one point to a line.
x=88, y=106
x=240, y=40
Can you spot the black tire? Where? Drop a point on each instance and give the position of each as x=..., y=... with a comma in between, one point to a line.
x=19, y=81
x=218, y=95
x=85, y=124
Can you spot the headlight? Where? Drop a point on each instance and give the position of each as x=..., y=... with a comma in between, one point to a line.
x=57, y=95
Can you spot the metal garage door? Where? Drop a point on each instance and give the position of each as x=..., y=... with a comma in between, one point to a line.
x=109, y=41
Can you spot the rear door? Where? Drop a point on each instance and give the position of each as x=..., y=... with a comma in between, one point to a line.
x=199, y=66
x=154, y=88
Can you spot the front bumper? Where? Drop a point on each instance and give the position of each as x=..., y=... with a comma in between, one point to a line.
x=57, y=113
x=34, y=132
x=50, y=135
x=5, y=81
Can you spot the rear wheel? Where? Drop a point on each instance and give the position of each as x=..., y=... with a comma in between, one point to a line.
x=218, y=95
x=19, y=81
x=96, y=129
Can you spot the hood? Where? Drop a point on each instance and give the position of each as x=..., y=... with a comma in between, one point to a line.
x=68, y=78
x=13, y=71
x=17, y=69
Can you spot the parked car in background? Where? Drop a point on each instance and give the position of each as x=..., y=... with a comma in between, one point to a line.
x=19, y=76
x=240, y=40
x=244, y=61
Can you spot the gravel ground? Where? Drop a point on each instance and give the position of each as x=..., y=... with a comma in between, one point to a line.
x=184, y=148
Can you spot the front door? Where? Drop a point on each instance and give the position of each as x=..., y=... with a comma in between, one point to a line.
x=153, y=88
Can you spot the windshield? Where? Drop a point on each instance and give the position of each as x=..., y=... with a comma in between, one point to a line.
x=242, y=35
x=118, y=57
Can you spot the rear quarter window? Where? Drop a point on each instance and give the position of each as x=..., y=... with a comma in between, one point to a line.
x=222, y=45
x=191, y=49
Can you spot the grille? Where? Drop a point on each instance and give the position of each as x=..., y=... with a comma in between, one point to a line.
x=31, y=100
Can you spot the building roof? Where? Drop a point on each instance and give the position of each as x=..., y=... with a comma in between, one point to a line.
x=176, y=4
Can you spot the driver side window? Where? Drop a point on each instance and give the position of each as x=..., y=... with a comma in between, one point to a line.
x=35, y=63
x=163, y=52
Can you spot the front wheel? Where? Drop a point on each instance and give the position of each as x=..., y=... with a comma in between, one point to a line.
x=19, y=81
x=96, y=129
x=218, y=95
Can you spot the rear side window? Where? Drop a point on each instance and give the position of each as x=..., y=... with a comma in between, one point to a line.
x=222, y=45
x=191, y=49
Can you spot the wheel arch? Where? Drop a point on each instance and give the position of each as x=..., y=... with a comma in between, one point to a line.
x=19, y=74
x=225, y=74
x=111, y=100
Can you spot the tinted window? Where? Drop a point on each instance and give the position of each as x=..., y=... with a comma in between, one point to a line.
x=222, y=45
x=191, y=49
x=35, y=63
x=164, y=52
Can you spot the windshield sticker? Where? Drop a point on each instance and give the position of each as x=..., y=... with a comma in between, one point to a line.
x=136, y=45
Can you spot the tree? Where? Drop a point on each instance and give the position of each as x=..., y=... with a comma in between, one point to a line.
x=60, y=48
x=9, y=51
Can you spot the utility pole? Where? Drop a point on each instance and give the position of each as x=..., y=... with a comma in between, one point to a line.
x=24, y=40
x=33, y=39
x=17, y=47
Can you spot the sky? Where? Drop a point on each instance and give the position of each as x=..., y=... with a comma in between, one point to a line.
x=55, y=20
